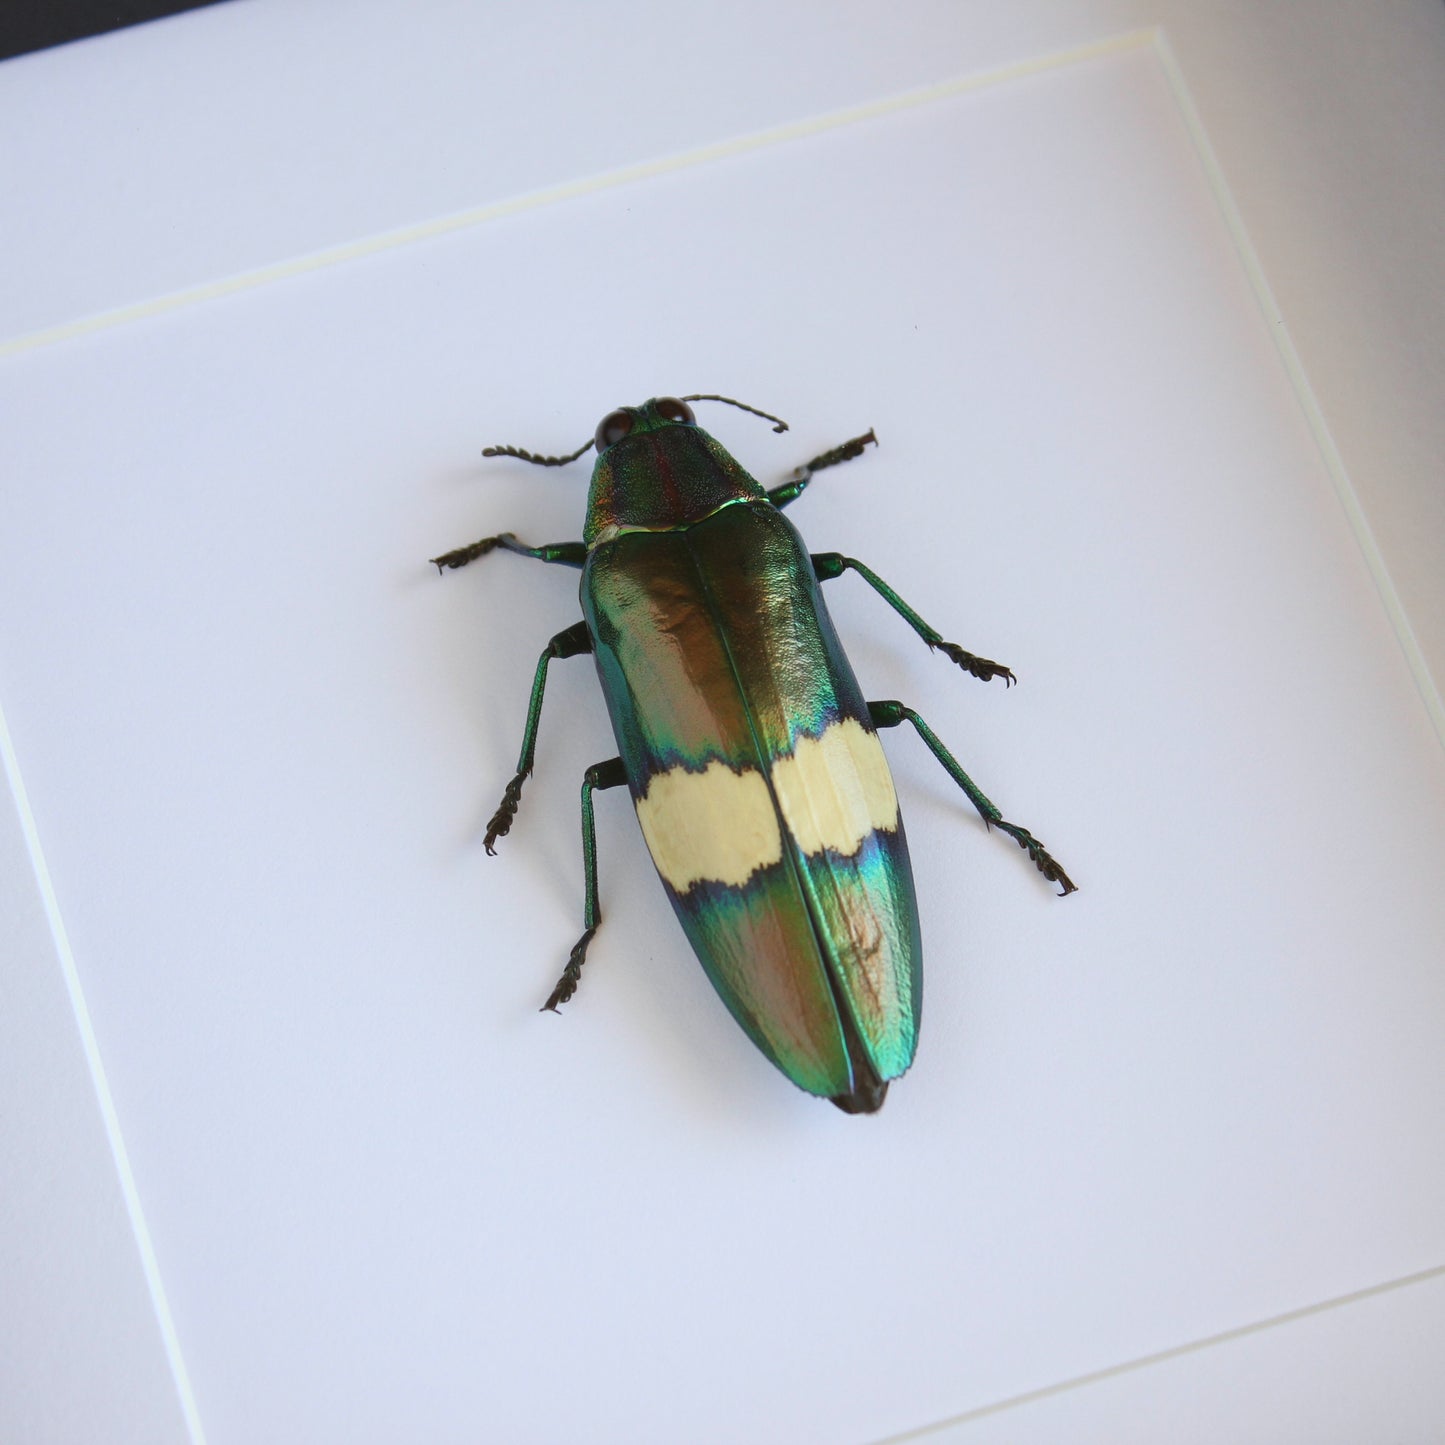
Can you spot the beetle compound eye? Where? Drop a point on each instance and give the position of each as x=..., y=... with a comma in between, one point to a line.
x=612, y=428
x=669, y=408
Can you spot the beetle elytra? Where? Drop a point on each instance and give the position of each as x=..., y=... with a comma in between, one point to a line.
x=750, y=752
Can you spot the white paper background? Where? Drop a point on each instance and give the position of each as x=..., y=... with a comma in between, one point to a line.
x=247, y=134
x=260, y=739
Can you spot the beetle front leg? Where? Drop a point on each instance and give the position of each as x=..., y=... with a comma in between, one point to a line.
x=568, y=554
x=600, y=775
x=828, y=565
x=891, y=714
x=574, y=641
x=794, y=488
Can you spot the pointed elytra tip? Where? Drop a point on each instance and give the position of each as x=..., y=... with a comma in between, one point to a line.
x=864, y=1100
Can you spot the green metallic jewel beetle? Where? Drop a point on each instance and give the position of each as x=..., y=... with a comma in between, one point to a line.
x=751, y=755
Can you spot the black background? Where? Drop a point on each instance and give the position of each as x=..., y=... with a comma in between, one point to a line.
x=27, y=25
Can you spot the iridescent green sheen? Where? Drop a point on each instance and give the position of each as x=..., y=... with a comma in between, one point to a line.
x=663, y=474
x=865, y=906
x=759, y=947
x=713, y=644
x=747, y=745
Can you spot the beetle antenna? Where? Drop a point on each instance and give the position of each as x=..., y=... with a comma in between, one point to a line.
x=526, y=456
x=741, y=406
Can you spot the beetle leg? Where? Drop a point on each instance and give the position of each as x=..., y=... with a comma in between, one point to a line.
x=828, y=565
x=891, y=714
x=570, y=643
x=569, y=554
x=600, y=775
x=791, y=490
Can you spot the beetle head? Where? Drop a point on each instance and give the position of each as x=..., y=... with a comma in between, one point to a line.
x=657, y=469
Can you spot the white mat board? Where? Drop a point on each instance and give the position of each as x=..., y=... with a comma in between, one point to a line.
x=260, y=738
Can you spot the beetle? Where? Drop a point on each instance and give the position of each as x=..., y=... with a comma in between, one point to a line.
x=750, y=752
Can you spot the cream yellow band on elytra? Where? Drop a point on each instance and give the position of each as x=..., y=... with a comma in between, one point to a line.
x=835, y=789
x=721, y=825
x=718, y=825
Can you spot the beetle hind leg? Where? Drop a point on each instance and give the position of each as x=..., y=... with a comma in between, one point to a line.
x=500, y=823
x=892, y=714
x=1038, y=855
x=570, y=643
x=599, y=776
x=571, y=975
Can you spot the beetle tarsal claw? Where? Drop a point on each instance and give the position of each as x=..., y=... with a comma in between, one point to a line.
x=462, y=555
x=571, y=975
x=1040, y=856
x=502, y=819
x=982, y=668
